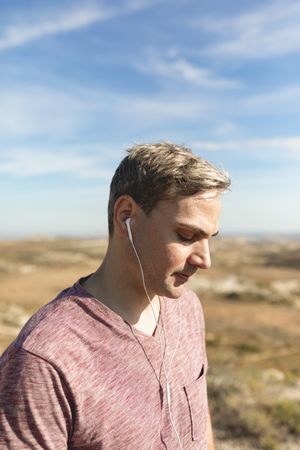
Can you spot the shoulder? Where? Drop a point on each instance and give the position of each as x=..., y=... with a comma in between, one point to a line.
x=191, y=304
x=191, y=311
x=55, y=329
x=190, y=308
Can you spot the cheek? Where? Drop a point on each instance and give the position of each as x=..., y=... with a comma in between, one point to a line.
x=175, y=255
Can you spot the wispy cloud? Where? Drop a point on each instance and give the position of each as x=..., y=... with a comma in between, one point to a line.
x=55, y=111
x=227, y=128
x=77, y=161
x=14, y=36
x=179, y=69
x=270, y=30
x=282, y=100
x=52, y=22
x=33, y=110
x=289, y=146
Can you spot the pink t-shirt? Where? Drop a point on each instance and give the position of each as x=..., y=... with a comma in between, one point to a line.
x=79, y=377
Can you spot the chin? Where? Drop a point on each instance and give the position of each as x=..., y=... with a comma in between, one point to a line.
x=174, y=291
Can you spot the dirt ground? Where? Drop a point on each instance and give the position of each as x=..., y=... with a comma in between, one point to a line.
x=251, y=300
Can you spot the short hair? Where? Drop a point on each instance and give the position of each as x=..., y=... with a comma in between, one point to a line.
x=151, y=173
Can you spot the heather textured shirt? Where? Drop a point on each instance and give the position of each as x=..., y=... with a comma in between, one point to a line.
x=79, y=377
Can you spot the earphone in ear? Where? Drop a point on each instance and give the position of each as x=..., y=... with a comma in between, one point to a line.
x=127, y=222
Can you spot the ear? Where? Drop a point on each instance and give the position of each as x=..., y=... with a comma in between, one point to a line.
x=125, y=206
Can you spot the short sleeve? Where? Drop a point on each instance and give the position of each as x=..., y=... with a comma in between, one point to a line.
x=35, y=406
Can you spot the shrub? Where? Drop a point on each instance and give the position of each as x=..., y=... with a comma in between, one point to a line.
x=286, y=413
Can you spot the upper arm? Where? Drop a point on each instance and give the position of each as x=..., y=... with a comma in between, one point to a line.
x=35, y=411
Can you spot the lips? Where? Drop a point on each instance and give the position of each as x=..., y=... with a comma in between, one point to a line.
x=182, y=276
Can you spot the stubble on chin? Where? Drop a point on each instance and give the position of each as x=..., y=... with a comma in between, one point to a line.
x=173, y=291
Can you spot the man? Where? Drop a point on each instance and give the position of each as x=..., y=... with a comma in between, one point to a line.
x=118, y=360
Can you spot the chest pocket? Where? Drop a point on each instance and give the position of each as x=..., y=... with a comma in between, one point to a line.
x=196, y=394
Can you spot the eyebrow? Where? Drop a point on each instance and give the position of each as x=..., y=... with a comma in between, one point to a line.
x=197, y=230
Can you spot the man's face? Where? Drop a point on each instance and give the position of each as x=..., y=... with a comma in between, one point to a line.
x=172, y=241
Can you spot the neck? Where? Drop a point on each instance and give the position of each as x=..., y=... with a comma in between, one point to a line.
x=121, y=289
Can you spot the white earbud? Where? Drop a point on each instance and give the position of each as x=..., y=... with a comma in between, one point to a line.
x=127, y=222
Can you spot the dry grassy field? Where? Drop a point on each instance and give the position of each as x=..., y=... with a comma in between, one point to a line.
x=251, y=299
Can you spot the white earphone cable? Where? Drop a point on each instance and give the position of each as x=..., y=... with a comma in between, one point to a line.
x=167, y=373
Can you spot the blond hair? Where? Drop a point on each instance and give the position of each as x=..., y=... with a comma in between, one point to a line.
x=151, y=173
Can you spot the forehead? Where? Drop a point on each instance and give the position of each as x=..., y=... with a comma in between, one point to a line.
x=198, y=211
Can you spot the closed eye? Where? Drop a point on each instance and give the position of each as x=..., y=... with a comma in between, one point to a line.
x=184, y=238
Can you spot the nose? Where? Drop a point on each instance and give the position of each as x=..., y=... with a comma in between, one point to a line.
x=200, y=255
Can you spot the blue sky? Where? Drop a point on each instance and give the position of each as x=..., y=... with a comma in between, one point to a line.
x=81, y=81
